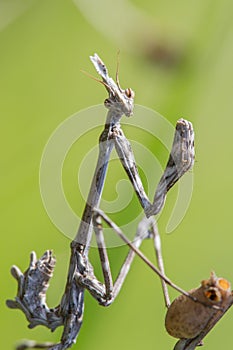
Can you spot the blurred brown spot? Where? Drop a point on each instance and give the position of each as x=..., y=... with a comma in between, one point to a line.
x=164, y=54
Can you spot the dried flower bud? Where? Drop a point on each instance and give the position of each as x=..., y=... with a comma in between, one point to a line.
x=186, y=318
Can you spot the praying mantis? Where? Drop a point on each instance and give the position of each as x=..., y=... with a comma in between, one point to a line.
x=33, y=283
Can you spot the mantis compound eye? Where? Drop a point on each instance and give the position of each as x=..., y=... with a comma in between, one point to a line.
x=107, y=103
x=186, y=318
x=129, y=93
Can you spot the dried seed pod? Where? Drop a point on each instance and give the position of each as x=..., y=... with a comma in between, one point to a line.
x=186, y=318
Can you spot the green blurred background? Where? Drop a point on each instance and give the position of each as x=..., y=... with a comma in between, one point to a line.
x=178, y=57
